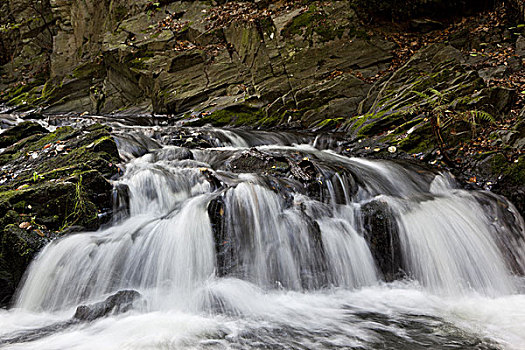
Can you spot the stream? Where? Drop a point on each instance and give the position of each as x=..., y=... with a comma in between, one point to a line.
x=276, y=241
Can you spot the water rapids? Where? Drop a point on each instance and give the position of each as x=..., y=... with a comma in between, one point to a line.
x=313, y=250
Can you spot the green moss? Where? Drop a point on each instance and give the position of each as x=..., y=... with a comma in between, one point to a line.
x=119, y=13
x=304, y=20
x=60, y=134
x=329, y=32
x=271, y=120
x=234, y=116
x=356, y=122
x=516, y=171
x=139, y=63
x=378, y=124
x=20, y=207
x=356, y=32
x=313, y=21
x=49, y=87
x=329, y=124
x=421, y=140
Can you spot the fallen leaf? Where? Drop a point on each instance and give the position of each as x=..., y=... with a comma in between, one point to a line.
x=25, y=225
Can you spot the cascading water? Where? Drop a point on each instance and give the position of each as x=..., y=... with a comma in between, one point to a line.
x=299, y=254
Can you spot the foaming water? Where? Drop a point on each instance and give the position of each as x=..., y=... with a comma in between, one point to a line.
x=301, y=254
x=398, y=316
x=454, y=250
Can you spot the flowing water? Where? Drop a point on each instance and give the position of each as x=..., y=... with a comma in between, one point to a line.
x=358, y=254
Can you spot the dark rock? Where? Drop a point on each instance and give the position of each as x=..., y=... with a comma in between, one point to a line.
x=508, y=233
x=501, y=99
x=511, y=180
x=117, y=303
x=19, y=246
x=134, y=145
x=120, y=201
x=6, y=283
x=381, y=233
x=520, y=46
x=224, y=246
x=19, y=132
x=425, y=25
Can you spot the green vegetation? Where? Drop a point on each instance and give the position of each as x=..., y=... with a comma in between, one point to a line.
x=234, y=116
x=314, y=20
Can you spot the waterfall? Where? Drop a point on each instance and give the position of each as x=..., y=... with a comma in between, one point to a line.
x=203, y=235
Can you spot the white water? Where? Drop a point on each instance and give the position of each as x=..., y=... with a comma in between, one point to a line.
x=296, y=272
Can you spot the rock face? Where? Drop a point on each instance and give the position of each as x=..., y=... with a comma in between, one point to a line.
x=49, y=183
x=175, y=56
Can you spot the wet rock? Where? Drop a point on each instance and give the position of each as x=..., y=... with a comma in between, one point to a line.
x=117, y=303
x=381, y=233
x=187, y=139
x=254, y=161
x=496, y=172
x=120, y=201
x=224, y=246
x=508, y=233
x=511, y=180
x=6, y=283
x=134, y=145
x=18, y=249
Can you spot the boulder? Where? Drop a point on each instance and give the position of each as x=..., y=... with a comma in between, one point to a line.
x=118, y=303
x=381, y=233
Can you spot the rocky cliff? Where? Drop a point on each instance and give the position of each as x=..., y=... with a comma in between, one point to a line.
x=297, y=61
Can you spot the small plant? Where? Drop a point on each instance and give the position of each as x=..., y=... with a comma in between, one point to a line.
x=78, y=209
x=441, y=116
x=152, y=7
x=37, y=176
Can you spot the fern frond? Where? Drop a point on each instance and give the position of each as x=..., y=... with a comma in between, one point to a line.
x=421, y=94
x=436, y=92
x=482, y=115
x=410, y=110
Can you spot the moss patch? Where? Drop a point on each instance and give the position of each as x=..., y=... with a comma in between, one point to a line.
x=312, y=21
x=234, y=116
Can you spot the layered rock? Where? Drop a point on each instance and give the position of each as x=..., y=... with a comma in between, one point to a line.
x=175, y=57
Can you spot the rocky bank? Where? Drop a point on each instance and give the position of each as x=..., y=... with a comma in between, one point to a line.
x=51, y=183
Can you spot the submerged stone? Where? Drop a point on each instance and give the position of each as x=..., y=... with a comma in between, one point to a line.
x=118, y=303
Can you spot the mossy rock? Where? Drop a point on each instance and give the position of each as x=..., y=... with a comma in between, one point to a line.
x=233, y=116
x=513, y=172
x=315, y=20
x=19, y=132
x=61, y=181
